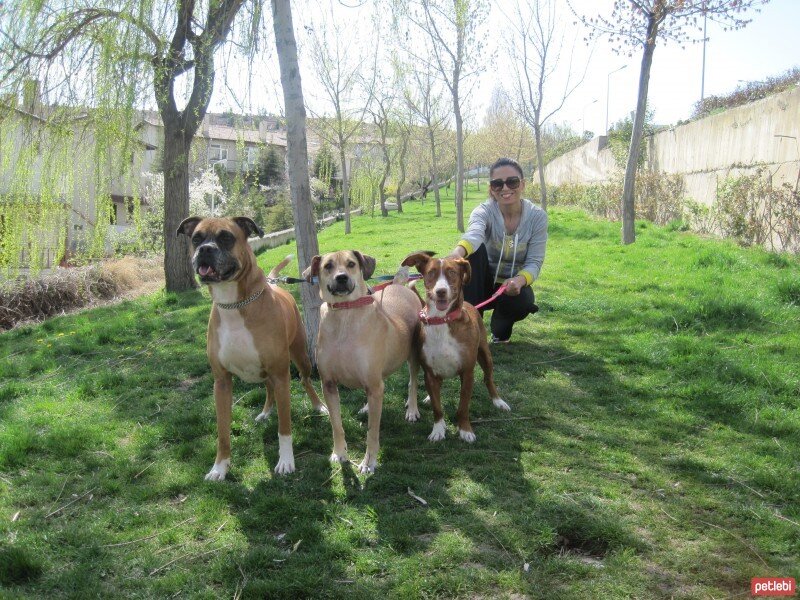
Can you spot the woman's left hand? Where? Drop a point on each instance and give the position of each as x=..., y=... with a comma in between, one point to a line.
x=514, y=285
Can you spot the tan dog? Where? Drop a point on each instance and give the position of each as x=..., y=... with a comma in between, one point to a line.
x=253, y=330
x=452, y=339
x=362, y=339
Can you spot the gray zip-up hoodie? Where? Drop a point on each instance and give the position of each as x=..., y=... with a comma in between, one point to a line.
x=521, y=253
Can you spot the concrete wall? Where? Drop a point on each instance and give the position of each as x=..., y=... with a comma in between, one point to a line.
x=706, y=151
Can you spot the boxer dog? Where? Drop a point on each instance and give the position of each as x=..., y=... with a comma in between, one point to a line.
x=253, y=331
x=452, y=339
x=363, y=338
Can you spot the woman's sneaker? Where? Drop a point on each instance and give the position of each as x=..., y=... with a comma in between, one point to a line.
x=496, y=340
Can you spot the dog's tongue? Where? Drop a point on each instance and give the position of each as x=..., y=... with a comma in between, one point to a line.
x=204, y=270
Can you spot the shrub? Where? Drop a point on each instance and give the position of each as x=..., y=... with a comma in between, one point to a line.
x=750, y=92
x=68, y=289
x=754, y=212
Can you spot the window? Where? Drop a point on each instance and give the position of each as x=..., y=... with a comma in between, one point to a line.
x=252, y=155
x=217, y=153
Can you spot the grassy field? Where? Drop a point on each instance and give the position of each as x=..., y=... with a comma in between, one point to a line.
x=653, y=450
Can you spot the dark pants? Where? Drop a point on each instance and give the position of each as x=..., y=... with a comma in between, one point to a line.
x=506, y=310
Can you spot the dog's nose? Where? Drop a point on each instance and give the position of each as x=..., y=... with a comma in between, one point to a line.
x=206, y=249
x=441, y=292
x=341, y=278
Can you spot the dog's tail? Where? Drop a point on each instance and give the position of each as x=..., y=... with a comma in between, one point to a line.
x=277, y=268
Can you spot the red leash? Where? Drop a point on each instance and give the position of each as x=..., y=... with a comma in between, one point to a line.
x=494, y=296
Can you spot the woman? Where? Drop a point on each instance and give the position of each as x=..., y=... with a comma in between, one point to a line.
x=505, y=244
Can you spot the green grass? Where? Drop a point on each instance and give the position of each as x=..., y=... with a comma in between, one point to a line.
x=652, y=451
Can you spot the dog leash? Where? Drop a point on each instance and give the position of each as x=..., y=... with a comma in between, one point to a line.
x=493, y=297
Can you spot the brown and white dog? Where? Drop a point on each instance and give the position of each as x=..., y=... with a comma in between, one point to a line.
x=452, y=339
x=253, y=331
x=362, y=339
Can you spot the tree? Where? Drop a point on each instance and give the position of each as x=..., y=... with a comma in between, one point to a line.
x=427, y=105
x=640, y=23
x=270, y=169
x=104, y=51
x=340, y=69
x=453, y=27
x=297, y=155
x=536, y=51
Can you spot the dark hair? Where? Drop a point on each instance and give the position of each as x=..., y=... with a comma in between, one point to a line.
x=506, y=162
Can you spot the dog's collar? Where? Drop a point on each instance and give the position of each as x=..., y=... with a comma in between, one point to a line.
x=241, y=303
x=363, y=301
x=451, y=316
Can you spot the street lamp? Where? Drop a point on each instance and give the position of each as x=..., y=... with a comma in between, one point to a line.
x=608, y=91
x=583, y=114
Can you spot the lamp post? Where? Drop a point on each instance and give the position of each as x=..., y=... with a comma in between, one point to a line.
x=608, y=91
x=583, y=114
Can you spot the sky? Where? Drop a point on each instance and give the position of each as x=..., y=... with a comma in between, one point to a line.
x=767, y=47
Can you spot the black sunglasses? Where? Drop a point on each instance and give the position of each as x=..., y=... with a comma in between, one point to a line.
x=511, y=182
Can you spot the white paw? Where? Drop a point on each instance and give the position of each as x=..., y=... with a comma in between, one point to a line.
x=263, y=416
x=437, y=434
x=367, y=465
x=412, y=415
x=284, y=467
x=285, y=455
x=364, y=409
x=218, y=471
x=339, y=457
x=498, y=403
x=467, y=436
x=322, y=409
x=426, y=400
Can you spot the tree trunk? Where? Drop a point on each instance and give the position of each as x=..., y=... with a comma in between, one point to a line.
x=628, y=206
x=178, y=272
x=434, y=179
x=537, y=132
x=297, y=157
x=402, y=179
x=345, y=188
x=459, y=164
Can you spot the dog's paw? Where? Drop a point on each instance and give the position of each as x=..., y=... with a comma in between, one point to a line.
x=499, y=403
x=412, y=415
x=263, y=416
x=322, y=409
x=437, y=434
x=364, y=409
x=467, y=436
x=337, y=457
x=218, y=471
x=426, y=400
x=284, y=466
x=367, y=465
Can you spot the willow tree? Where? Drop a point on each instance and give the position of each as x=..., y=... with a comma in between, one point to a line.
x=640, y=24
x=105, y=56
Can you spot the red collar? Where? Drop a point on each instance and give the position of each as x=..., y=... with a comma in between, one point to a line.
x=451, y=316
x=363, y=301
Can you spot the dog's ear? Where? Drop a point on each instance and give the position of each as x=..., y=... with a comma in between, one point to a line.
x=466, y=270
x=187, y=226
x=367, y=263
x=313, y=269
x=249, y=226
x=418, y=260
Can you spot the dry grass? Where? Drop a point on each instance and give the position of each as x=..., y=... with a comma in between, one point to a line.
x=67, y=290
